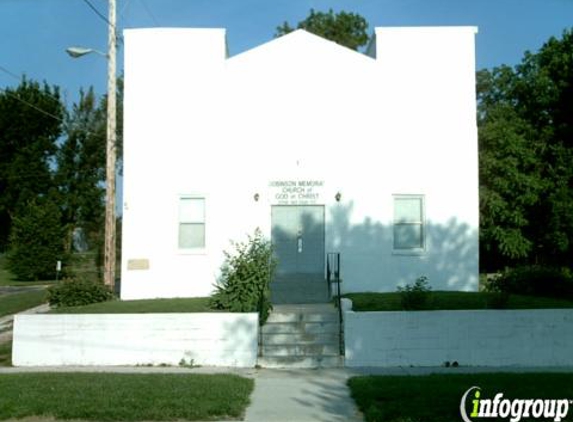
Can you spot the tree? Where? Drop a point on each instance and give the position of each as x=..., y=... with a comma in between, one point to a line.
x=36, y=240
x=525, y=119
x=31, y=119
x=544, y=96
x=347, y=29
x=81, y=170
x=81, y=160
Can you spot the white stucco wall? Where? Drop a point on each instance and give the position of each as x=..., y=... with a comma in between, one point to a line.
x=300, y=108
x=215, y=339
x=471, y=338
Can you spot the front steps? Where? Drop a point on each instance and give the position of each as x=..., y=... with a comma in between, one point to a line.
x=301, y=336
x=299, y=291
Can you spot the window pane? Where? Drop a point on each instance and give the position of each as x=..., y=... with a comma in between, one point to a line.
x=408, y=210
x=191, y=236
x=408, y=236
x=192, y=210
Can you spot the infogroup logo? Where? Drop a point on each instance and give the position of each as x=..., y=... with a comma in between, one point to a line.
x=515, y=409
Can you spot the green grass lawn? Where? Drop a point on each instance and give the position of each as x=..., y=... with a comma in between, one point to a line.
x=436, y=398
x=6, y=354
x=194, y=304
x=13, y=303
x=441, y=300
x=124, y=397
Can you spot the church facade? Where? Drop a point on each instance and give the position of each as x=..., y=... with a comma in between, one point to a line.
x=372, y=155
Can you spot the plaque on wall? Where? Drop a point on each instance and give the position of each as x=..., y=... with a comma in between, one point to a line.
x=138, y=264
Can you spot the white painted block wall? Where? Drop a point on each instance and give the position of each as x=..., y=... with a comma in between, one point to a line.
x=214, y=339
x=472, y=338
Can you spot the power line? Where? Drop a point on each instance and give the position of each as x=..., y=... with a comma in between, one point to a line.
x=97, y=12
x=20, y=78
x=47, y=113
x=124, y=8
x=3, y=69
x=122, y=13
x=35, y=107
x=119, y=38
x=149, y=12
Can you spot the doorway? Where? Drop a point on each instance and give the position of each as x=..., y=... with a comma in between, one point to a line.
x=298, y=241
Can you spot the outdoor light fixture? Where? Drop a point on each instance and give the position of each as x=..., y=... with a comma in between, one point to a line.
x=257, y=196
x=76, y=52
x=338, y=196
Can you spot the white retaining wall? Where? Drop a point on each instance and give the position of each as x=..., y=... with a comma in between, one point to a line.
x=215, y=339
x=472, y=338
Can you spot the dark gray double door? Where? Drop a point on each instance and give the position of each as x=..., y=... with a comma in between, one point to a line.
x=298, y=242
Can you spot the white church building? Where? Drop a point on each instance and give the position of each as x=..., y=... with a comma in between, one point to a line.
x=325, y=149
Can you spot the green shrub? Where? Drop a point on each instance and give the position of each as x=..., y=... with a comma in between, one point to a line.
x=534, y=280
x=244, y=285
x=36, y=241
x=415, y=297
x=71, y=292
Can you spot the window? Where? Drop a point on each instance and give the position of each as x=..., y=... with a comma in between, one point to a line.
x=409, y=226
x=191, y=223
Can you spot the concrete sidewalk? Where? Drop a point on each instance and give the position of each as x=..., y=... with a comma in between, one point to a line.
x=6, y=322
x=302, y=396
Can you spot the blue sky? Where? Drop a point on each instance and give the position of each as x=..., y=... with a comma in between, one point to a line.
x=35, y=33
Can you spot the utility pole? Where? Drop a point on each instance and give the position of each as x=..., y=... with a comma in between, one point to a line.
x=110, y=227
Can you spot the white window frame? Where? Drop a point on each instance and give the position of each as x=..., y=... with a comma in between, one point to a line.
x=199, y=249
x=421, y=223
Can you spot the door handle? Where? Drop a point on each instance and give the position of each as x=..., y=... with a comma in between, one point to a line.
x=299, y=244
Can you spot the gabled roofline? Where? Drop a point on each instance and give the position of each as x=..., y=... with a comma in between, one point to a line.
x=296, y=33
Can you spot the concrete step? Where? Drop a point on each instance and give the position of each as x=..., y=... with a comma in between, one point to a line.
x=301, y=361
x=301, y=328
x=302, y=317
x=306, y=338
x=298, y=297
x=301, y=336
x=299, y=292
x=332, y=349
x=305, y=308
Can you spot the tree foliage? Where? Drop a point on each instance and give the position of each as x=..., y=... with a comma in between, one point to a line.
x=31, y=117
x=245, y=278
x=80, y=169
x=81, y=165
x=347, y=29
x=36, y=240
x=50, y=155
x=525, y=118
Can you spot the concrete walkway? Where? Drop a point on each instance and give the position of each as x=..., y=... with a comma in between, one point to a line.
x=10, y=290
x=6, y=322
x=302, y=396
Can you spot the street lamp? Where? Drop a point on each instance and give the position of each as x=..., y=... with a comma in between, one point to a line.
x=109, y=243
x=76, y=52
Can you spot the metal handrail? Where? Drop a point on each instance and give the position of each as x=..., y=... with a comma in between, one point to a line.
x=262, y=293
x=333, y=276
